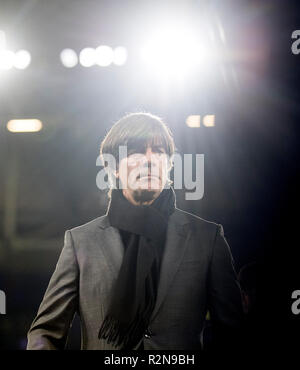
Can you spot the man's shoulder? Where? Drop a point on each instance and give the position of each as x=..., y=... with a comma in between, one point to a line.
x=186, y=218
x=90, y=226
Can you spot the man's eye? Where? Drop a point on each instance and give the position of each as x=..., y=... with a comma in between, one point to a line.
x=159, y=151
x=134, y=152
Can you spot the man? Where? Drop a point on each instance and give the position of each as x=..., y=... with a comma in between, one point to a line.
x=145, y=274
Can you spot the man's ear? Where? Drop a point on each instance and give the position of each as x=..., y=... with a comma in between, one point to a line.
x=170, y=163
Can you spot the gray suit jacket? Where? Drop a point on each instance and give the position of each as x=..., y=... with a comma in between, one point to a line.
x=197, y=275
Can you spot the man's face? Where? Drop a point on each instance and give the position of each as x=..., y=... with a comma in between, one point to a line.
x=144, y=173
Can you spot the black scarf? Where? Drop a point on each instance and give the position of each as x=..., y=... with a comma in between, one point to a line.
x=143, y=230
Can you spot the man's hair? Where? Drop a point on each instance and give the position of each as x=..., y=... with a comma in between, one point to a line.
x=137, y=131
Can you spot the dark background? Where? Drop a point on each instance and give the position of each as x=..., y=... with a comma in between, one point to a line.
x=251, y=155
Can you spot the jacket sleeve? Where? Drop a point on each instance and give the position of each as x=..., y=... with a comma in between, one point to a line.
x=224, y=295
x=50, y=327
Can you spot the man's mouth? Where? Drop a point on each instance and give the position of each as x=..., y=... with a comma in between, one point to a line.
x=142, y=177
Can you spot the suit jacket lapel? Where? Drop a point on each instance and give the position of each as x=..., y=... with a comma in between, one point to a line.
x=111, y=246
x=176, y=243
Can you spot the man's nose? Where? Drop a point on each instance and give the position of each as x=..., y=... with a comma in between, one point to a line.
x=149, y=154
x=150, y=158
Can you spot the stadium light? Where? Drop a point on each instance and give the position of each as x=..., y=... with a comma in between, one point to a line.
x=24, y=125
x=177, y=49
x=69, y=58
x=104, y=55
x=209, y=120
x=87, y=57
x=120, y=56
x=22, y=59
x=193, y=121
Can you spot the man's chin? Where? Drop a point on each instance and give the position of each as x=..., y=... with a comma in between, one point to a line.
x=145, y=195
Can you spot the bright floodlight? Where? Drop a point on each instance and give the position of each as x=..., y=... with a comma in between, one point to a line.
x=24, y=125
x=175, y=50
x=104, y=55
x=7, y=59
x=120, y=55
x=87, y=57
x=69, y=58
x=22, y=59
